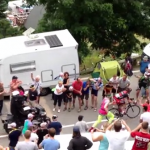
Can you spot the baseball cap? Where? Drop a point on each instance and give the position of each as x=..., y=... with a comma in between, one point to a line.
x=30, y=116
x=145, y=58
x=80, y=117
x=14, y=77
x=13, y=124
x=76, y=129
x=54, y=117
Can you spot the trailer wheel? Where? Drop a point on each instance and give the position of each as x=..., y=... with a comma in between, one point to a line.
x=45, y=91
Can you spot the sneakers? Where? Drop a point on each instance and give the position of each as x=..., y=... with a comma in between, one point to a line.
x=79, y=110
x=54, y=109
x=95, y=109
x=69, y=109
x=58, y=110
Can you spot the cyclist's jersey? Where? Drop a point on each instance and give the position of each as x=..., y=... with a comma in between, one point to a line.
x=102, y=110
x=120, y=97
x=144, y=81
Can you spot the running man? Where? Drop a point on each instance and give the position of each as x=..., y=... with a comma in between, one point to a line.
x=103, y=112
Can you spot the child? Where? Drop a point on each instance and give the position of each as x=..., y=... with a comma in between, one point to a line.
x=68, y=98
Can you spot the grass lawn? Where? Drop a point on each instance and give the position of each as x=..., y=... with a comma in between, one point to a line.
x=94, y=57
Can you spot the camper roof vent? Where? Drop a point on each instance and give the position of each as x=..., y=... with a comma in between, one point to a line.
x=53, y=41
x=35, y=42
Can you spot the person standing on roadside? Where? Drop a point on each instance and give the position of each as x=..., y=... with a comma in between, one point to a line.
x=68, y=98
x=98, y=84
x=32, y=96
x=117, y=138
x=42, y=132
x=145, y=117
x=37, y=85
x=77, y=92
x=141, y=136
x=79, y=142
x=85, y=92
x=13, y=136
x=49, y=142
x=26, y=144
x=124, y=83
x=2, y=91
x=82, y=124
x=66, y=83
x=58, y=95
x=115, y=81
x=56, y=125
x=27, y=123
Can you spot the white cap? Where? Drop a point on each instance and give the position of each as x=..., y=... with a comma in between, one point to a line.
x=145, y=58
x=61, y=73
x=43, y=124
x=30, y=116
x=13, y=124
x=14, y=93
x=71, y=88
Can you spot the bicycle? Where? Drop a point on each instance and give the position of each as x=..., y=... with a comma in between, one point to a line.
x=129, y=107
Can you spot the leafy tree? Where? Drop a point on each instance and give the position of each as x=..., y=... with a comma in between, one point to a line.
x=6, y=30
x=3, y=7
x=106, y=24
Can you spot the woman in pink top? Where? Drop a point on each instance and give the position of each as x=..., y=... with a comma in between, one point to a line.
x=103, y=112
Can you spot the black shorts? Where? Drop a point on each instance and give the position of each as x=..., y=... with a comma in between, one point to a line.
x=142, y=85
x=85, y=96
x=94, y=92
x=68, y=100
x=76, y=95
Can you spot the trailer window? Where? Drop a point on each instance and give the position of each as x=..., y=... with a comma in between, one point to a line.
x=23, y=67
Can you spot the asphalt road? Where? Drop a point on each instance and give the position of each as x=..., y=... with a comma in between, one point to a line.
x=68, y=119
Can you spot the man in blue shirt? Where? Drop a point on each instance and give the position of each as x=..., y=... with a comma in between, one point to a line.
x=85, y=92
x=56, y=125
x=49, y=143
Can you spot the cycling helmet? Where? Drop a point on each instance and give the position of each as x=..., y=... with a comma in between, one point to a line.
x=128, y=90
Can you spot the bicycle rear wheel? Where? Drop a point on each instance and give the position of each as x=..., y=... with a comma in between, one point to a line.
x=133, y=111
x=116, y=113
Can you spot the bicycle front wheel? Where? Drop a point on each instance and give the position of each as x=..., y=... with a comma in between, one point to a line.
x=115, y=112
x=133, y=111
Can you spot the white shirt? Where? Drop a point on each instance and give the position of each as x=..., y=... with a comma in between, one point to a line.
x=58, y=88
x=114, y=81
x=117, y=140
x=34, y=137
x=146, y=117
x=37, y=86
x=82, y=125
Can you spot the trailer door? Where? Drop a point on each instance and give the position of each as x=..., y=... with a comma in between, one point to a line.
x=71, y=69
x=47, y=75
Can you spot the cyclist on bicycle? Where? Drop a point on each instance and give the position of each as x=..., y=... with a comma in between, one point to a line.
x=119, y=99
x=103, y=112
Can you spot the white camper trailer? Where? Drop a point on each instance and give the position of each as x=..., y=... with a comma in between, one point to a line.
x=47, y=55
